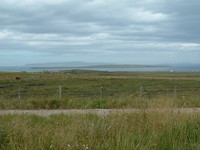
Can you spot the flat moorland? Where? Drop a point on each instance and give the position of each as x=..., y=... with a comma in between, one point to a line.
x=98, y=89
x=93, y=89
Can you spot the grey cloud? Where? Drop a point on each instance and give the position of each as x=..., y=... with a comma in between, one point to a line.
x=100, y=26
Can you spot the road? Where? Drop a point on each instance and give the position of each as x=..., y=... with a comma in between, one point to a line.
x=100, y=112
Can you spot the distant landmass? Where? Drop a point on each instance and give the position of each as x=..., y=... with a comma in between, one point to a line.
x=85, y=65
x=78, y=65
x=65, y=64
x=122, y=66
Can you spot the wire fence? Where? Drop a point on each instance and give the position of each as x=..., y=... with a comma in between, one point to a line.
x=11, y=91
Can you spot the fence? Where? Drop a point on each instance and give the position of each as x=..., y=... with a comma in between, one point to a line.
x=62, y=92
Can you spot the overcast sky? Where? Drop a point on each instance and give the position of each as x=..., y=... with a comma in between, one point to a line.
x=114, y=31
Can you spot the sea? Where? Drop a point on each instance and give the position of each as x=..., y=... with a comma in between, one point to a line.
x=176, y=68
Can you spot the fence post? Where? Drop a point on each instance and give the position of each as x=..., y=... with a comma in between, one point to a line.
x=141, y=91
x=175, y=91
x=60, y=92
x=19, y=93
x=101, y=92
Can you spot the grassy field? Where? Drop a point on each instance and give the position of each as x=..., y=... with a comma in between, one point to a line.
x=95, y=89
x=152, y=131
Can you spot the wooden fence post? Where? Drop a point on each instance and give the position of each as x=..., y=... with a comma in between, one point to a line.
x=60, y=92
x=175, y=91
x=19, y=93
x=101, y=92
x=141, y=91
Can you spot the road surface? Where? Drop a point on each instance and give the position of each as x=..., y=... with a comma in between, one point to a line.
x=97, y=111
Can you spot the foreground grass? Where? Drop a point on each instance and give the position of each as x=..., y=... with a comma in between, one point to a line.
x=152, y=131
x=105, y=103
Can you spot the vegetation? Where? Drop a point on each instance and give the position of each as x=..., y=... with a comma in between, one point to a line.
x=95, y=89
x=152, y=131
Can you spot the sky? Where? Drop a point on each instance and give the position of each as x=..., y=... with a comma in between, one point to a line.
x=111, y=31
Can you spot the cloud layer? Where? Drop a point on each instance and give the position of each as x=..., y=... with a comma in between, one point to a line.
x=126, y=31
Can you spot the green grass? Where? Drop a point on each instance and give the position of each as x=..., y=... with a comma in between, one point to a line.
x=105, y=103
x=152, y=131
x=82, y=89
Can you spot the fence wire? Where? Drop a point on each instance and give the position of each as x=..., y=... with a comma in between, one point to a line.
x=11, y=91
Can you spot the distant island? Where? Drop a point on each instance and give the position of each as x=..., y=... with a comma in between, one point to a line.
x=122, y=66
x=99, y=66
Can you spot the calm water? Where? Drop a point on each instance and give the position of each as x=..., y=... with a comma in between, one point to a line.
x=171, y=68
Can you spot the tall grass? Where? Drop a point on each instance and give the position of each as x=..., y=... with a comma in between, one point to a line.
x=160, y=101
x=152, y=131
